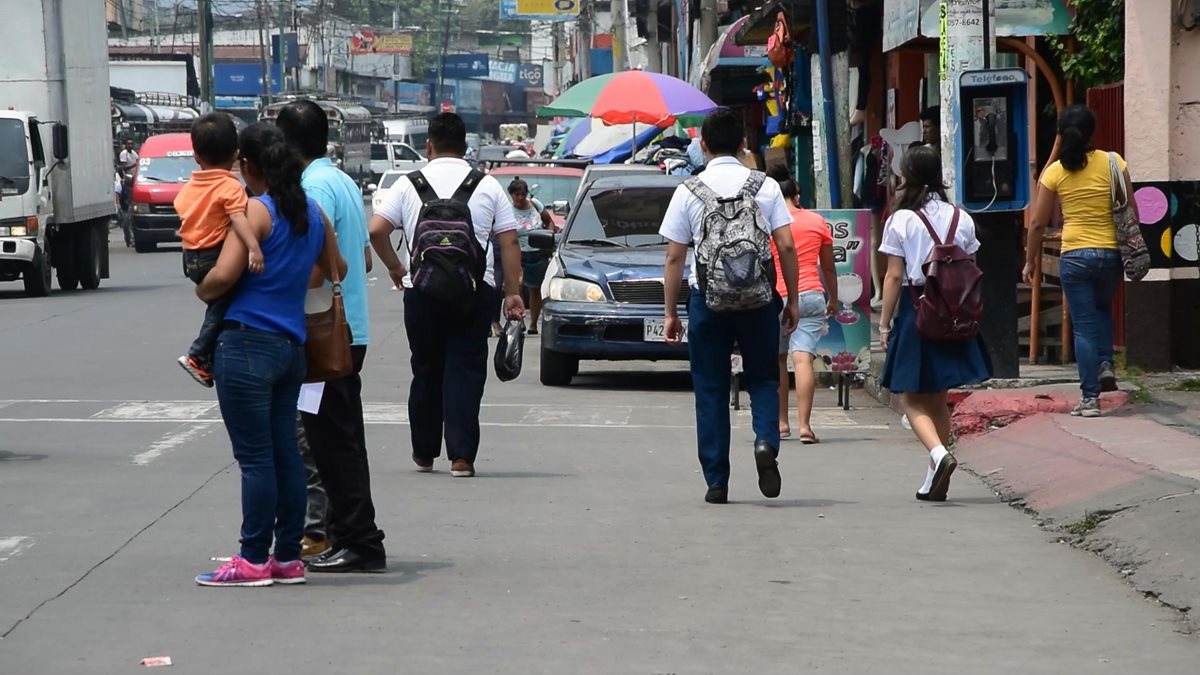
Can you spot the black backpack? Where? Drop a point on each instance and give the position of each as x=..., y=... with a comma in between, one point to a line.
x=448, y=262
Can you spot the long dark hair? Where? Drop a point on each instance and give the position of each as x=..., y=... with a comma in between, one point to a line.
x=265, y=146
x=921, y=171
x=1076, y=125
x=518, y=185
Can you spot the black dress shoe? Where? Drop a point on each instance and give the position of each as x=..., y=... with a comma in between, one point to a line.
x=941, y=478
x=928, y=497
x=768, y=469
x=345, y=560
x=717, y=494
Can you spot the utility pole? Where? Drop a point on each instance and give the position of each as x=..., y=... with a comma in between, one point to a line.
x=283, y=88
x=124, y=20
x=441, y=66
x=620, y=46
x=708, y=26
x=653, y=48
x=262, y=53
x=157, y=38
x=396, y=62
x=204, y=12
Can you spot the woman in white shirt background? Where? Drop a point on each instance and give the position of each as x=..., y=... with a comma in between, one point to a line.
x=922, y=371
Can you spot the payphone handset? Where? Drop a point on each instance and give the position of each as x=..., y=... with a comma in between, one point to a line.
x=993, y=132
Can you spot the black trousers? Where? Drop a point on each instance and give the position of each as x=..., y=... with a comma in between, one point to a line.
x=339, y=447
x=449, y=366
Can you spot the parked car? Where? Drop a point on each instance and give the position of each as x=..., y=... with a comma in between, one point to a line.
x=385, y=185
x=554, y=186
x=604, y=291
x=165, y=163
x=394, y=156
x=594, y=171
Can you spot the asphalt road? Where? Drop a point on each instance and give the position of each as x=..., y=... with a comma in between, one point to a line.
x=583, y=546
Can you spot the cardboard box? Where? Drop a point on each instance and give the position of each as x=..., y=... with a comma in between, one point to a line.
x=752, y=160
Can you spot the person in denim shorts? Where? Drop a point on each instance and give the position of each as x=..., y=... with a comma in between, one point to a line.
x=814, y=253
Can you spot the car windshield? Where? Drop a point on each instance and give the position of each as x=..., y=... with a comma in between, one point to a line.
x=547, y=188
x=14, y=158
x=621, y=217
x=388, y=180
x=166, y=169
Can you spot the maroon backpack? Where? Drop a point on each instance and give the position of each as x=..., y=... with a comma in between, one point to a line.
x=951, y=306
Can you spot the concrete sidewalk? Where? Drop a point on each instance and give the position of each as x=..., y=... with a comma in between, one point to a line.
x=1125, y=486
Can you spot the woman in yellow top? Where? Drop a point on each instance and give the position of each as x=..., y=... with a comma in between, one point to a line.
x=1090, y=267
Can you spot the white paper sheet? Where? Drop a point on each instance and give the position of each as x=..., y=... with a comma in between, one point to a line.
x=310, y=397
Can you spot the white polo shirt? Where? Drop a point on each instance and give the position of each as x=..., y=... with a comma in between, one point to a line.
x=725, y=175
x=491, y=209
x=905, y=236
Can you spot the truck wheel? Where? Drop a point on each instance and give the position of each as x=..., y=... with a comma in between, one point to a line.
x=558, y=369
x=64, y=259
x=87, y=257
x=37, y=277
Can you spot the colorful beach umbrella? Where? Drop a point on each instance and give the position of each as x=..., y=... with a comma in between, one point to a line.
x=631, y=97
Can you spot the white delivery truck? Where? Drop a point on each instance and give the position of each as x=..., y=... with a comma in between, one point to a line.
x=56, y=152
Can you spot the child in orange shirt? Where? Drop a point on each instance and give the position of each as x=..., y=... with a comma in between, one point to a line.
x=212, y=202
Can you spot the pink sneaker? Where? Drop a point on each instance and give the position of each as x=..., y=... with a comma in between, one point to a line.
x=288, y=572
x=238, y=572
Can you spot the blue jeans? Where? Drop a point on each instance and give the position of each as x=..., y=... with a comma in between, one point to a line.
x=711, y=337
x=258, y=378
x=1090, y=277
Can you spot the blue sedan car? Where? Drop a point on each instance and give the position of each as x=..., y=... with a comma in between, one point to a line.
x=604, y=290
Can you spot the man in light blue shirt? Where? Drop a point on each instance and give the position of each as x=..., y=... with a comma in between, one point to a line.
x=336, y=434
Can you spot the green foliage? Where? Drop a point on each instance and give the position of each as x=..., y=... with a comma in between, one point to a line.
x=1099, y=31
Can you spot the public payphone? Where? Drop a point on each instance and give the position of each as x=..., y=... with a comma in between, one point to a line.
x=992, y=153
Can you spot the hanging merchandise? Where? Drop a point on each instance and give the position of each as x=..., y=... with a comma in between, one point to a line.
x=780, y=51
x=773, y=94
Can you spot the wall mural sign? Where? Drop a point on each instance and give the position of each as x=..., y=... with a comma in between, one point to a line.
x=1170, y=213
x=845, y=345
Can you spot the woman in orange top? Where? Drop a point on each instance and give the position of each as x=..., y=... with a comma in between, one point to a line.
x=814, y=246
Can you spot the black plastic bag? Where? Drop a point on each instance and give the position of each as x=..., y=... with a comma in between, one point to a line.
x=510, y=350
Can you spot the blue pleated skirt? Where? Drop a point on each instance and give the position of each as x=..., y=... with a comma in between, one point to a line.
x=919, y=366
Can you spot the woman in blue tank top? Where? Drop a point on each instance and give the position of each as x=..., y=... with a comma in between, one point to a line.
x=259, y=360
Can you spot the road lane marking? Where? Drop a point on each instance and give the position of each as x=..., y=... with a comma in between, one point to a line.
x=601, y=416
x=135, y=410
x=10, y=547
x=172, y=440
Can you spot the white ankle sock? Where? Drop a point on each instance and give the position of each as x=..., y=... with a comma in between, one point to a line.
x=928, y=484
x=937, y=454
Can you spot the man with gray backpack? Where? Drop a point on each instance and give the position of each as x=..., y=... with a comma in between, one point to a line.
x=450, y=214
x=729, y=214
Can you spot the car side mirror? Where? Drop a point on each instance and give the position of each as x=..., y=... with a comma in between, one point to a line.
x=372, y=187
x=542, y=240
x=561, y=207
x=61, y=142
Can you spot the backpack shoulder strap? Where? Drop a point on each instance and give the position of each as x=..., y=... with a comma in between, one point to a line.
x=937, y=241
x=753, y=184
x=703, y=192
x=422, y=186
x=953, y=226
x=464, y=191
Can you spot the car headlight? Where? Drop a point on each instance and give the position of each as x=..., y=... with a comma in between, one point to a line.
x=139, y=207
x=575, y=290
x=18, y=231
x=4, y=231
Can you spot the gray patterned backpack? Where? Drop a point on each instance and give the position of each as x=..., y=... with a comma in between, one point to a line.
x=734, y=267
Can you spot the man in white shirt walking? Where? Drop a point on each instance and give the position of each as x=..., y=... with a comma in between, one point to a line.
x=711, y=332
x=449, y=339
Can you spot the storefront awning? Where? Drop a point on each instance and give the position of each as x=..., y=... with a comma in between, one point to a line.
x=726, y=54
